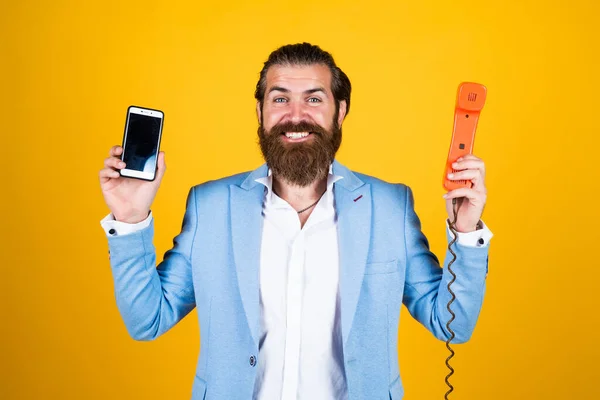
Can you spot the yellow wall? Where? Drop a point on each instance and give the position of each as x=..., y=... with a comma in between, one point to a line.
x=70, y=69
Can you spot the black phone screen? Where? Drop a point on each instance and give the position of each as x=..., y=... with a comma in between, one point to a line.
x=141, y=142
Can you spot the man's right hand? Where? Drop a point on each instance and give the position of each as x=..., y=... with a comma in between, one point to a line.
x=128, y=199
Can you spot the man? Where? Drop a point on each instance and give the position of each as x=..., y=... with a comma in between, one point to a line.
x=298, y=268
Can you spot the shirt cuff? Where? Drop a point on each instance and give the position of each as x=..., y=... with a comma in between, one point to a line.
x=479, y=238
x=113, y=227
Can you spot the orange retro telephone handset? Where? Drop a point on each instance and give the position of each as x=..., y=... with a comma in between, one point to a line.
x=469, y=103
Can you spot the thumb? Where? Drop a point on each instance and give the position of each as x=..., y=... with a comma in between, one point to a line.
x=161, y=165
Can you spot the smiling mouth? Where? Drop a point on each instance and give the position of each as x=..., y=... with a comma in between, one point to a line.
x=296, y=135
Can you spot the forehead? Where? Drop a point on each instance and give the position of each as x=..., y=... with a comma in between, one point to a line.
x=299, y=77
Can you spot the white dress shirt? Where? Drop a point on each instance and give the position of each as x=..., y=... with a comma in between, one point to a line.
x=300, y=349
x=300, y=353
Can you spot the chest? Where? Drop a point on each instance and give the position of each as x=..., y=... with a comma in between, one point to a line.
x=294, y=260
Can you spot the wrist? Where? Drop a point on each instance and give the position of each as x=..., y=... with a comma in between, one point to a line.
x=132, y=219
x=477, y=227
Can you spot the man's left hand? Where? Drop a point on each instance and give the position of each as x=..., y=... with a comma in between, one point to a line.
x=470, y=201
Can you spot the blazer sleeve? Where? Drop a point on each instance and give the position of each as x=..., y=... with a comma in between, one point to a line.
x=151, y=298
x=426, y=294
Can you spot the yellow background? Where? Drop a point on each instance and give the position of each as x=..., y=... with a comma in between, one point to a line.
x=69, y=70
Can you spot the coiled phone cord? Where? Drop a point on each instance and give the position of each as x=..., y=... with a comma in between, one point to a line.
x=453, y=230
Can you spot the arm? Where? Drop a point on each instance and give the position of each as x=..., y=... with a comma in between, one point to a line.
x=153, y=299
x=426, y=288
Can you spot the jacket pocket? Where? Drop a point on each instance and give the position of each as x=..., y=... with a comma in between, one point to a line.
x=386, y=267
x=396, y=389
x=199, y=389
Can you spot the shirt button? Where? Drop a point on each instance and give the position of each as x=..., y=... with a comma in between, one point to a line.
x=481, y=241
x=112, y=231
x=252, y=361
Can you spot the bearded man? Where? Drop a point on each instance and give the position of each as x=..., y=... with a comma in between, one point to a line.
x=299, y=268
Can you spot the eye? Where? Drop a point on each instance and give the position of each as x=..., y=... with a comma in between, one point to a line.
x=279, y=100
x=314, y=100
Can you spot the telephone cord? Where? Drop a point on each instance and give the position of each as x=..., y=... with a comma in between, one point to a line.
x=452, y=335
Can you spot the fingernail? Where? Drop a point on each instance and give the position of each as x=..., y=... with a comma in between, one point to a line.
x=444, y=196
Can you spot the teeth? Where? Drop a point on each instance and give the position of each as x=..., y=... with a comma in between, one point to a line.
x=296, y=135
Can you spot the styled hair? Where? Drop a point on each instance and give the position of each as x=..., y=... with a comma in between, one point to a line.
x=302, y=54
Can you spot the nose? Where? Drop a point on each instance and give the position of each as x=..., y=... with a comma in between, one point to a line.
x=296, y=111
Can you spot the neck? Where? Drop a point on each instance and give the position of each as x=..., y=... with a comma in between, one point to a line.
x=299, y=196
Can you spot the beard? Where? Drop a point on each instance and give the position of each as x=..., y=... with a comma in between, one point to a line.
x=300, y=164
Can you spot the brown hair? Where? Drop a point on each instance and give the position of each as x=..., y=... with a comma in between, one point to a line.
x=306, y=54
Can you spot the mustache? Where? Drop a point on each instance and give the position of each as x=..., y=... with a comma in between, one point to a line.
x=302, y=126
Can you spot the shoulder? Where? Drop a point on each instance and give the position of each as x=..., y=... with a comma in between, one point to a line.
x=396, y=191
x=225, y=182
x=218, y=189
x=390, y=201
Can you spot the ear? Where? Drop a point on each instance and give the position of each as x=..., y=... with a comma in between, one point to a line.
x=342, y=112
x=258, y=112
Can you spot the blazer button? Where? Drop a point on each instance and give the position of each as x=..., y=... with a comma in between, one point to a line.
x=252, y=361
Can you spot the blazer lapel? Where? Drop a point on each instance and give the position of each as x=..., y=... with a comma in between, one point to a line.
x=246, y=233
x=353, y=206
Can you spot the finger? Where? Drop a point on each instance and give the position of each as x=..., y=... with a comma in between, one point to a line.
x=469, y=164
x=466, y=174
x=161, y=165
x=115, y=151
x=465, y=164
x=474, y=175
x=473, y=195
x=114, y=162
x=107, y=174
x=469, y=157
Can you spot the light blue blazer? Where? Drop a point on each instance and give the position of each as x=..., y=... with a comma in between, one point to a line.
x=385, y=262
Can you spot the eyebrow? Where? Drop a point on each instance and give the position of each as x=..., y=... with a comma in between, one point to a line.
x=309, y=91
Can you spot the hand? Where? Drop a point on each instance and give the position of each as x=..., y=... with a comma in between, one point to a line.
x=128, y=199
x=470, y=201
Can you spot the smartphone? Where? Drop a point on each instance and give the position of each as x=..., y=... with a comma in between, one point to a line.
x=141, y=142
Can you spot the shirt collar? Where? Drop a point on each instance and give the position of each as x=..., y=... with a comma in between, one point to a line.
x=267, y=181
